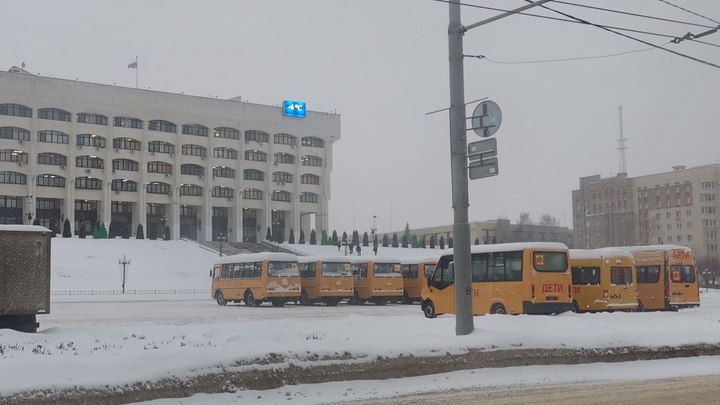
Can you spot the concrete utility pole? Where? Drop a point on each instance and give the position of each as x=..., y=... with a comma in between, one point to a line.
x=458, y=164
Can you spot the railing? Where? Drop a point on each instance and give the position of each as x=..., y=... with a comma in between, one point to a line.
x=120, y=292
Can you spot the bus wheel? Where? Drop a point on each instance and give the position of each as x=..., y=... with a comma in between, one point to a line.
x=278, y=302
x=304, y=300
x=405, y=299
x=219, y=298
x=498, y=309
x=429, y=309
x=249, y=299
x=380, y=301
x=575, y=307
x=332, y=302
x=640, y=307
x=355, y=300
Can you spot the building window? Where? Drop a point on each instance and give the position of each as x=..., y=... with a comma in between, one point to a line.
x=252, y=194
x=252, y=174
x=90, y=162
x=162, y=126
x=53, y=137
x=282, y=177
x=53, y=159
x=308, y=178
x=191, y=169
x=257, y=136
x=159, y=167
x=156, y=187
x=15, y=133
x=194, y=150
x=223, y=171
x=707, y=197
x=195, y=129
x=15, y=110
x=12, y=155
x=123, y=185
x=281, y=195
x=49, y=180
x=88, y=183
x=309, y=198
x=310, y=160
x=91, y=140
x=284, y=158
x=707, y=184
x=191, y=189
x=227, y=133
x=126, y=144
x=127, y=122
x=125, y=164
x=220, y=191
x=54, y=114
x=225, y=153
x=12, y=178
x=689, y=238
x=95, y=119
x=161, y=147
x=255, y=155
x=285, y=139
x=313, y=142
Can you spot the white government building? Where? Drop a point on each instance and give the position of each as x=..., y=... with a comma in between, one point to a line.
x=201, y=167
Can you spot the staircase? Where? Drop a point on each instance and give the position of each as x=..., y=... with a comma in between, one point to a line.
x=234, y=248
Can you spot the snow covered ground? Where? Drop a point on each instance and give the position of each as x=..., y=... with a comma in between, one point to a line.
x=111, y=340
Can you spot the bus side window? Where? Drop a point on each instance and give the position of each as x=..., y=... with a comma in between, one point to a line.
x=479, y=267
x=257, y=270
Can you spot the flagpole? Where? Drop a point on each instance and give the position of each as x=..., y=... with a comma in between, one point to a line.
x=136, y=72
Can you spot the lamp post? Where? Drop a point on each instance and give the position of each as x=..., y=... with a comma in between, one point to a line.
x=458, y=162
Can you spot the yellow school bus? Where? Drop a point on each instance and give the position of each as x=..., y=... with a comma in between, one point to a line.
x=667, y=277
x=507, y=278
x=376, y=279
x=325, y=279
x=603, y=280
x=256, y=278
x=415, y=273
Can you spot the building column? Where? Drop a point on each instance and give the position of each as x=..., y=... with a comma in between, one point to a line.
x=238, y=237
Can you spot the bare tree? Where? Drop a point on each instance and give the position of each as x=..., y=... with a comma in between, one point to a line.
x=525, y=219
x=548, y=220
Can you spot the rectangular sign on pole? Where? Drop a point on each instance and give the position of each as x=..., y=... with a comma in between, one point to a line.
x=482, y=149
x=483, y=168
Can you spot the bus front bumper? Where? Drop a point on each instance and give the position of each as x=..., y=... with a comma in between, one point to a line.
x=545, y=308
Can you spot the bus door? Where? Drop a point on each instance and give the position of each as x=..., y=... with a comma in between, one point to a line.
x=684, y=289
x=442, y=289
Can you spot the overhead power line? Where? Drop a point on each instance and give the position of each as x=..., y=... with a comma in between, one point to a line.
x=571, y=21
x=629, y=37
x=561, y=59
x=632, y=14
x=691, y=12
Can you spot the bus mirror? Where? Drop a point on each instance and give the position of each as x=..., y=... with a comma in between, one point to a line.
x=428, y=278
x=210, y=273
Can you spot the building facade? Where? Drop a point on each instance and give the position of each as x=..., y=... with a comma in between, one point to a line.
x=497, y=231
x=677, y=207
x=195, y=167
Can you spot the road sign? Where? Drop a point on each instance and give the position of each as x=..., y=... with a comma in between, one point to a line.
x=486, y=118
x=294, y=108
x=483, y=168
x=480, y=150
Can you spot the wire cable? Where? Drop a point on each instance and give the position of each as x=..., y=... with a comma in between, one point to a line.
x=632, y=14
x=691, y=12
x=563, y=19
x=560, y=59
x=629, y=37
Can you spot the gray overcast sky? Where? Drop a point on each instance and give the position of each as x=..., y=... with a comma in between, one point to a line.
x=382, y=64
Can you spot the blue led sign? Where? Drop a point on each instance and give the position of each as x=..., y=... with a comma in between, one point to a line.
x=294, y=108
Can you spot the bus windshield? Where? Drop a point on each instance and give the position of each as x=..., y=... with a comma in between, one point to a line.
x=550, y=261
x=283, y=269
x=387, y=270
x=336, y=270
